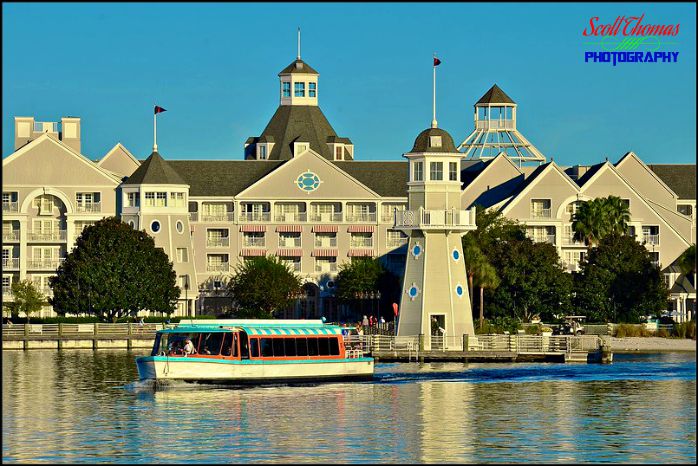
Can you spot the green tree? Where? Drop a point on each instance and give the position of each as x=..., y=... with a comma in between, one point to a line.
x=600, y=217
x=27, y=299
x=619, y=283
x=367, y=275
x=486, y=278
x=687, y=260
x=473, y=258
x=112, y=272
x=618, y=214
x=262, y=286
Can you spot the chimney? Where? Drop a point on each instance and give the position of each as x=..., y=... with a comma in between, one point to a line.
x=24, y=129
x=70, y=134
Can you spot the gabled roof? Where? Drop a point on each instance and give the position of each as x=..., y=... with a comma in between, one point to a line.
x=679, y=177
x=154, y=170
x=495, y=96
x=298, y=123
x=388, y=179
x=589, y=173
x=298, y=66
x=222, y=177
x=682, y=285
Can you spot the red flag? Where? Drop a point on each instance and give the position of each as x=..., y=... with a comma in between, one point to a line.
x=159, y=110
x=437, y=62
x=395, y=310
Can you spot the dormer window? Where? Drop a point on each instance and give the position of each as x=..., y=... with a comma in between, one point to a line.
x=338, y=152
x=435, y=141
x=299, y=148
x=312, y=89
x=299, y=89
x=286, y=89
x=262, y=152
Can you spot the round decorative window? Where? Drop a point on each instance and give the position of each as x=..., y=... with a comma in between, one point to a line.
x=180, y=226
x=330, y=284
x=459, y=290
x=308, y=182
x=155, y=226
x=416, y=250
x=456, y=255
x=413, y=291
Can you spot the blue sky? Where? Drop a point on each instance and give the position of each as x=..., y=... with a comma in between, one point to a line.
x=214, y=68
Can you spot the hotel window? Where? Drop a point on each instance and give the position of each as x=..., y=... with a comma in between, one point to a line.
x=177, y=199
x=86, y=200
x=160, y=199
x=389, y=209
x=685, y=209
x=299, y=89
x=262, y=152
x=293, y=262
x=132, y=200
x=418, y=171
x=312, y=89
x=286, y=89
x=325, y=264
x=217, y=262
x=654, y=256
x=81, y=225
x=453, y=171
x=325, y=240
x=149, y=199
x=44, y=204
x=395, y=238
x=540, y=208
x=182, y=255
x=217, y=238
x=289, y=240
x=361, y=240
x=436, y=172
x=183, y=282
x=253, y=239
x=6, y=284
x=338, y=151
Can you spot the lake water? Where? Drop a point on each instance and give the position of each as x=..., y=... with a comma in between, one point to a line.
x=83, y=406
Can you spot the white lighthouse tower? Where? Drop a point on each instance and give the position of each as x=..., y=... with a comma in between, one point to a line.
x=435, y=301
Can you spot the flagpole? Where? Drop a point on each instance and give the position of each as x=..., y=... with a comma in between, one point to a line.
x=433, y=121
x=155, y=131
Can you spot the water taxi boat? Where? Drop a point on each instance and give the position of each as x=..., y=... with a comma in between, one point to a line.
x=247, y=351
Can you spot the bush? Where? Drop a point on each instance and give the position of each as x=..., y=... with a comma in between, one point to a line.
x=535, y=329
x=498, y=325
x=685, y=330
x=630, y=330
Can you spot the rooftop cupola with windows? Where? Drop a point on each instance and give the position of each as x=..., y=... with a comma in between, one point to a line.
x=298, y=84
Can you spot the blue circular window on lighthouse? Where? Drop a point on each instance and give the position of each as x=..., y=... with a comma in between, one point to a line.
x=456, y=255
x=413, y=291
x=459, y=290
x=416, y=250
x=308, y=182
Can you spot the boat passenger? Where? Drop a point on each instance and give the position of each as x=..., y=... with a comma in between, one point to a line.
x=189, y=348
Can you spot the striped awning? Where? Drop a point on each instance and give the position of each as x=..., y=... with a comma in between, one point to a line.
x=360, y=228
x=289, y=252
x=360, y=253
x=324, y=252
x=325, y=229
x=289, y=228
x=253, y=228
x=326, y=330
x=247, y=252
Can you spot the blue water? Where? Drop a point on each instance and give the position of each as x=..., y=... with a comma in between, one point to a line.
x=85, y=406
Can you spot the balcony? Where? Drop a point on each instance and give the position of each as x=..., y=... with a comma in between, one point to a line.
x=289, y=242
x=255, y=217
x=326, y=243
x=92, y=208
x=6, y=292
x=9, y=207
x=570, y=241
x=218, y=267
x=295, y=266
x=361, y=217
x=47, y=236
x=10, y=264
x=361, y=243
x=218, y=242
x=396, y=243
x=253, y=242
x=435, y=219
x=326, y=268
x=216, y=217
x=44, y=264
x=326, y=217
x=10, y=235
x=541, y=213
x=544, y=239
x=651, y=239
x=290, y=217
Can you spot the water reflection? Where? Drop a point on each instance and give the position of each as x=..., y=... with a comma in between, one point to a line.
x=83, y=406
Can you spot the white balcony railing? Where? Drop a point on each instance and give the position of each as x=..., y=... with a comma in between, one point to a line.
x=361, y=243
x=10, y=264
x=326, y=217
x=44, y=264
x=253, y=242
x=290, y=217
x=217, y=217
x=218, y=267
x=94, y=207
x=435, y=219
x=395, y=243
x=10, y=207
x=295, y=266
x=569, y=240
x=255, y=217
x=541, y=213
x=361, y=217
x=55, y=235
x=326, y=267
x=10, y=235
x=494, y=124
x=326, y=243
x=218, y=242
x=544, y=239
x=651, y=239
x=289, y=242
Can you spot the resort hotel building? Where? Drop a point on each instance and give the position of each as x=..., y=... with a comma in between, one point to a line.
x=299, y=191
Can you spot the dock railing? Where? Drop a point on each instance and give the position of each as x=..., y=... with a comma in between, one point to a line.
x=49, y=331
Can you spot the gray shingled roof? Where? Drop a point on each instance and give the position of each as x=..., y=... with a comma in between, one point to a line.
x=222, y=177
x=682, y=285
x=387, y=179
x=154, y=170
x=298, y=123
x=298, y=66
x=495, y=96
x=680, y=178
x=423, y=141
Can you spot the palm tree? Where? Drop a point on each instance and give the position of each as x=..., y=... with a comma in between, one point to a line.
x=472, y=256
x=590, y=222
x=485, y=277
x=687, y=260
x=618, y=214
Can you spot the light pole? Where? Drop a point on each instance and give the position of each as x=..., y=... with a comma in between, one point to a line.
x=186, y=294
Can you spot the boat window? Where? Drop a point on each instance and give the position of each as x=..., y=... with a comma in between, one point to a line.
x=227, y=348
x=156, y=344
x=254, y=347
x=334, y=346
x=324, y=346
x=244, y=351
x=175, y=343
x=278, y=347
x=301, y=346
x=266, y=348
x=211, y=343
x=312, y=347
x=290, y=346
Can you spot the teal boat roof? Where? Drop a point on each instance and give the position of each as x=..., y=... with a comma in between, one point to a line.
x=257, y=327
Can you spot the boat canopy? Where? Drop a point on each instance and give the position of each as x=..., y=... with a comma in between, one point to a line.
x=257, y=327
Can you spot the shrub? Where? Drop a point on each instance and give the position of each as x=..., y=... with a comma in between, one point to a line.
x=533, y=329
x=630, y=330
x=685, y=330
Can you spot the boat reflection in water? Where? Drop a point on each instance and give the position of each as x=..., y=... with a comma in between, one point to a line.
x=246, y=351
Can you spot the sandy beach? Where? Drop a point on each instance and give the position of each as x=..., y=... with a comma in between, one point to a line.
x=651, y=344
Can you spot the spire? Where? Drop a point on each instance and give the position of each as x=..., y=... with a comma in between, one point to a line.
x=434, y=123
x=299, y=44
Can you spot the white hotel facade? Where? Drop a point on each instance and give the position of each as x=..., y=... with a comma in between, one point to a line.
x=298, y=193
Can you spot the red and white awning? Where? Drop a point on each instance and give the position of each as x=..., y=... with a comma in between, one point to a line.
x=360, y=228
x=253, y=228
x=325, y=229
x=324, y=252
x=248, y=252
x=289, y=252
x=360, y=253
x=289, y=228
